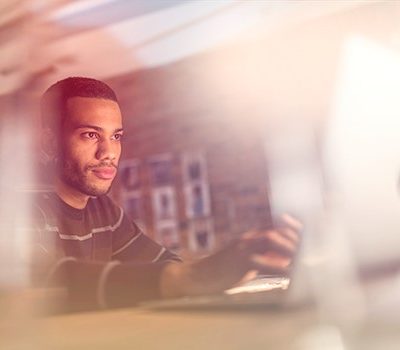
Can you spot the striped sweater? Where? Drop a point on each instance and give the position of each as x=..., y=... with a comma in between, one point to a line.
x=97, y=252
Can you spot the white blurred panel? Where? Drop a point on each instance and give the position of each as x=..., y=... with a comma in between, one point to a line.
x=363, y=150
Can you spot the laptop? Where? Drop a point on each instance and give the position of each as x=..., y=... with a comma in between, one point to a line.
x=359, y=227
x=264, y=291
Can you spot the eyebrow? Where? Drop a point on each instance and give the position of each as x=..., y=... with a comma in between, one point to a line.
x=98, y=128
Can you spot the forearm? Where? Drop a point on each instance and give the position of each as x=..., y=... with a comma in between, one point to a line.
x=94, y=285
x=178, y=280
x=174, y=280
x=202, y=277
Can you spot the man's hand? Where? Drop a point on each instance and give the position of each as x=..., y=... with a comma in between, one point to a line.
x=268, y=252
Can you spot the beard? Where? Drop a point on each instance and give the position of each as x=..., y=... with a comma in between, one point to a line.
x=79, y=178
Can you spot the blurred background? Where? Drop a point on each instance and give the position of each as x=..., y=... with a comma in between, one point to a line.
x=234, y=112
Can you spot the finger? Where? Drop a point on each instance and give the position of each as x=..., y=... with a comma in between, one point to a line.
x=250, y=275
x=269, y=241
x=290, y=234
x=279, y=242
x=292, y=222
x=271, y=264
x=284, y=231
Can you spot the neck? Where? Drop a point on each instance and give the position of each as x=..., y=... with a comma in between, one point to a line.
x=71, y=196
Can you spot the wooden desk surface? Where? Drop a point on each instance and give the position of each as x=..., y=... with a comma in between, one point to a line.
x=138, y=328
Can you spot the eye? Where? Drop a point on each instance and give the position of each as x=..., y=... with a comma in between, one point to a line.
x=117, y=137
x=90, y=135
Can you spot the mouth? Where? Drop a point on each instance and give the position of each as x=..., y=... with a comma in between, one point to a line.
x=105, y=173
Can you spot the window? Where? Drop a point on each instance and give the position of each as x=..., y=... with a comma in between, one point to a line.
x=194, y=167
x=201, y=236
x=130, y=176
x=197, y=201
x=168, y=236
x=164, y=203
x=133, y=205
x=161, y=171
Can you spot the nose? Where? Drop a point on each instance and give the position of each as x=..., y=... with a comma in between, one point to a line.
x=107, y=150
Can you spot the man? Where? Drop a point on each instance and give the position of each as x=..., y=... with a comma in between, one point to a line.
x=86, y=243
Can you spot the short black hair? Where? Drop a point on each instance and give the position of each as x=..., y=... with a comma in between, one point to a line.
x=54, y=100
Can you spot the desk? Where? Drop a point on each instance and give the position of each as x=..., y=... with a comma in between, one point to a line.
x=146, y=329
x=138, y=328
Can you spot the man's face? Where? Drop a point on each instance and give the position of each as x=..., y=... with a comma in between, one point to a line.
x=90, y=145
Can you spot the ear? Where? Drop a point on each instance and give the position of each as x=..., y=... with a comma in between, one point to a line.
x=49, y=143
